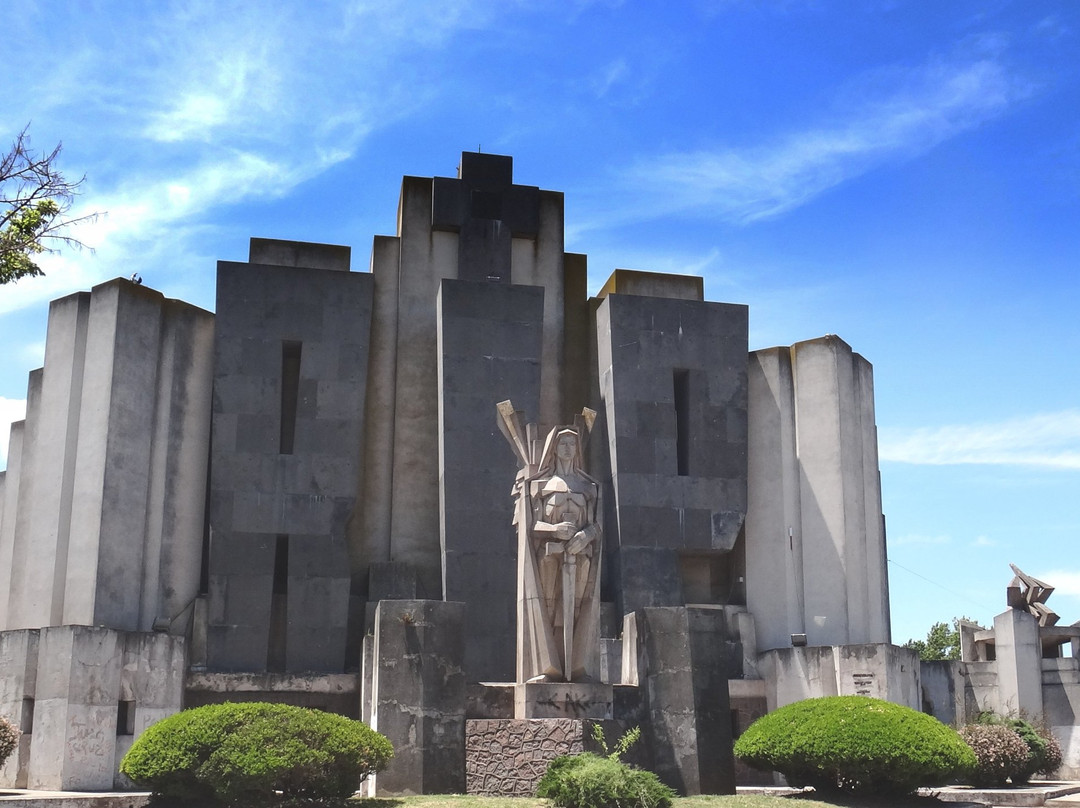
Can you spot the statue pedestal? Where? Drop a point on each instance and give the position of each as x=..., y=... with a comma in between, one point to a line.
x=563, y=700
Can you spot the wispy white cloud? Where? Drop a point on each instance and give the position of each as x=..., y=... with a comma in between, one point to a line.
x=984, y=541
x=1065, y=582
x=1048, y=440
x=215, y=104
x=609, y=75
x=11, y=410
x=891, y=115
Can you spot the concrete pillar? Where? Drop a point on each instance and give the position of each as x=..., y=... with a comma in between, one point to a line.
x=774, y=552
x=426, y=258
x=418, y=699
x=45, y=498
x=490, y=344
x=175, y=521
x=7, y=520
x=78, y=688
x=18, y=663
x=21, y=542
x=1018, y=652
x=369, y=536
x=110, y=498
x=813, y=449
x=688, y=715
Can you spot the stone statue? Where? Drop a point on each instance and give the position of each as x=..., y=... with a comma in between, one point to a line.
x=557, y=507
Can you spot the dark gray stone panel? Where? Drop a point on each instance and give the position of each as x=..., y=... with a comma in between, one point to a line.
x=490, y=343
x=674, y=387
x=307, y=494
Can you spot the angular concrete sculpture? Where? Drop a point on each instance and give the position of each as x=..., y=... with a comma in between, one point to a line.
x=559, y=550
x=1027, y=593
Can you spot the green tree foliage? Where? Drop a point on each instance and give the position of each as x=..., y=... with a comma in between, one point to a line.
x=589, y=780
x=35, y=198
x=9, y=739
x=942, y=642
x=855, y=744
x=255, y=754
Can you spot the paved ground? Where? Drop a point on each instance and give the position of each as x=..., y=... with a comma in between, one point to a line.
x=1048, y=794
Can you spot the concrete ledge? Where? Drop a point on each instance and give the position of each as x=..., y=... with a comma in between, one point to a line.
x=1034, y=794
x=16, y=798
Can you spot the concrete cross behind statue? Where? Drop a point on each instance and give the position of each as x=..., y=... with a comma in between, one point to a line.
x=559, y=550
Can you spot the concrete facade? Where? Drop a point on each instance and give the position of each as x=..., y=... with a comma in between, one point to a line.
x=253, y=502
x=814, y=515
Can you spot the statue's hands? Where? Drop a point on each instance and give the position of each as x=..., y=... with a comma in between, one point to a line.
x=579, y=542
x=565, y=531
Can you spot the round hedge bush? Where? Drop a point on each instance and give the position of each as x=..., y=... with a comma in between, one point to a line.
x=999, y=751
x=857, y=744
x=255, y=753
x=9, y=739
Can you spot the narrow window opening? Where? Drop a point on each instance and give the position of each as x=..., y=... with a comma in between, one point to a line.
x=125, y=717
x=26, y=720
x=290, y=394
x=682, y=421
x=279, y=607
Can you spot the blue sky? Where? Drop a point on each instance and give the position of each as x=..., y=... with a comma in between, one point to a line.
x=903, y=174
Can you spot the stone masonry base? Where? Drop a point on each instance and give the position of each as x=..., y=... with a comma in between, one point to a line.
x=507, y=757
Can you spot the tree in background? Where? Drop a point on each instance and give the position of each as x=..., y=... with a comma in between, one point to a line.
x=942, y=642
x=34, y=200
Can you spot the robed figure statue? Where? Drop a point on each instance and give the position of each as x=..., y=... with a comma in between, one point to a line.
x=556, y=514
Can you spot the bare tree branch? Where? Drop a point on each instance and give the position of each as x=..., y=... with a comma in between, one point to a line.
x=35, y=198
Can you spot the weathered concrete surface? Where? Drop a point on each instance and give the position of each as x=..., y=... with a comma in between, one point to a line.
x=814, y=513
x=878, y=670
x=418, y=695
x=335, y=693
x=686, y=710
x=18, y=683
x=78, y=689
x=1019, y=656
x=560, y=700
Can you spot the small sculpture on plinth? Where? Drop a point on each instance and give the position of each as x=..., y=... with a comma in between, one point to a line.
x=1029, y=594
x=559, y=548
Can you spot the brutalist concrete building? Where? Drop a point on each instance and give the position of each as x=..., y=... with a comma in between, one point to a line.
x=305, y=497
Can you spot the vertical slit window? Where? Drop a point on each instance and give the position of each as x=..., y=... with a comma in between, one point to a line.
x=125, y=717
x=290, y=394
x=279, y=608
x=682, y=421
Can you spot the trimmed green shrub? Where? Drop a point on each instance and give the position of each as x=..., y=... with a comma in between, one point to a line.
x=9, y=739
x=592, y=781
x=857, y=744
x=1000, y=753
x=255, y=753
